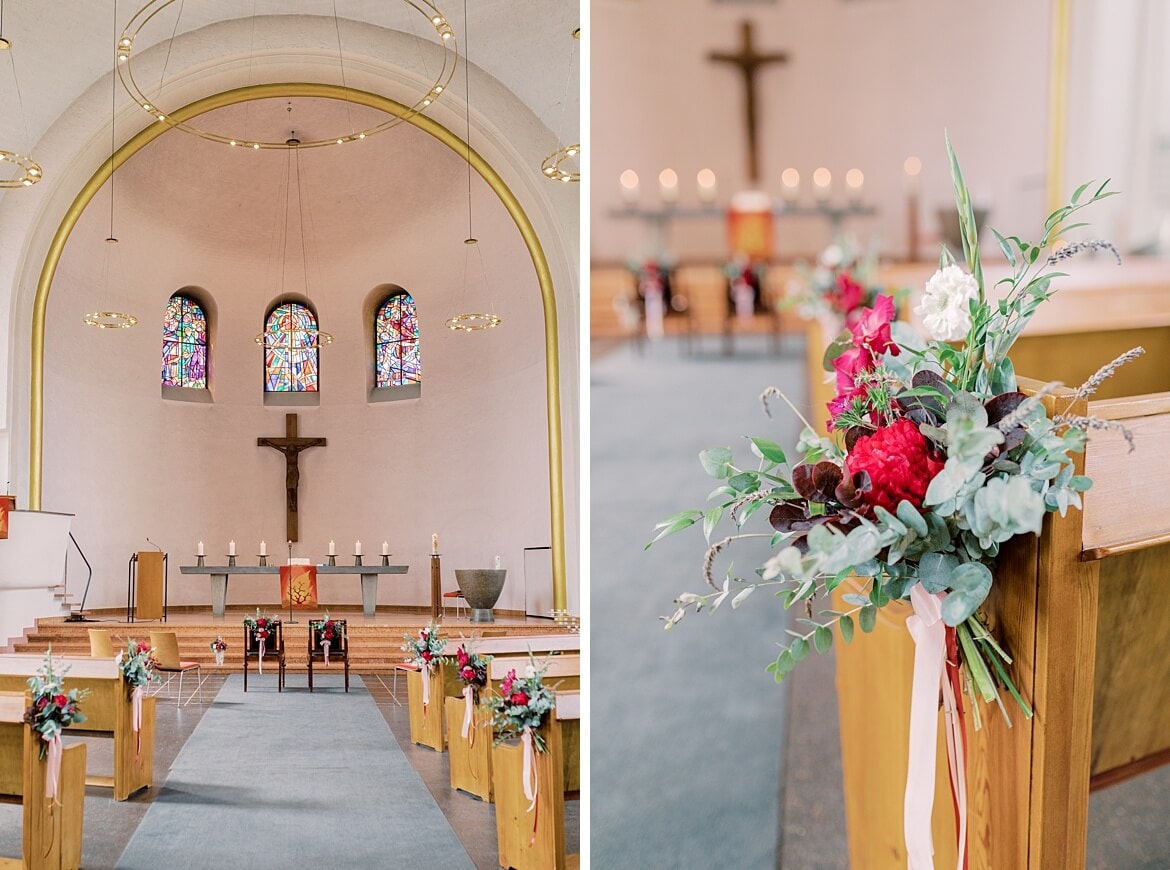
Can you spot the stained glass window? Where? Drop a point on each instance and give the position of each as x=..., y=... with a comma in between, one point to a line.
x=184, y=350
x=396, y=361
x=290, y=349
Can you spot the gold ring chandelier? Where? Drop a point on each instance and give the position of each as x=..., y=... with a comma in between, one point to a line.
x=30, y=170
x=110, y=319
x=143, y=16
x=552, y=168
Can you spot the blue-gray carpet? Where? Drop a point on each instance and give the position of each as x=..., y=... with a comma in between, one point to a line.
x=293, y=780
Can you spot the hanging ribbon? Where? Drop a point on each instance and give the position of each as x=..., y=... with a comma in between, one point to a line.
x=325, y=646
x=531, y=778
x=655, y=312
x=929, y=633
x=53, y=766
x=136, y=715
x=425, y=673
x=956, y=743
x=468, y=708
x=260, y=663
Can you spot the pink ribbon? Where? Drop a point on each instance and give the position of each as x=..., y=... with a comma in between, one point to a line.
x=655, y=311
x=468, y=707
x=53, y=766
x=529, y=774
x=929, y=633
x=260, y=662
x=425, y=673
x=745, y=299
x=325, y=646
x=136, y=716
x=954, y=726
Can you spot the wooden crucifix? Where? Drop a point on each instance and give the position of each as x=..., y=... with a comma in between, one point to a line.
x=749, y=61
x=291, y=446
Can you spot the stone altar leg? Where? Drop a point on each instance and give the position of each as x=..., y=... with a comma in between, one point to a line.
x=218, y=594
x=369, y=594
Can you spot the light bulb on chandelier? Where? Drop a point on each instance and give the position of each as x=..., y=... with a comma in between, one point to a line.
x=30, y=170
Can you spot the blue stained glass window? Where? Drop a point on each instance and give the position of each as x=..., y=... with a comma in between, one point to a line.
x=184, y=350
x=396, y=343
x=290, y=349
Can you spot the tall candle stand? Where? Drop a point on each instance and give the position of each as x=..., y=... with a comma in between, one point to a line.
x=436, y=587
x=291, y=621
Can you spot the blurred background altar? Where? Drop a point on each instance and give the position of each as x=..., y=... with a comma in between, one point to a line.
x=735, y=145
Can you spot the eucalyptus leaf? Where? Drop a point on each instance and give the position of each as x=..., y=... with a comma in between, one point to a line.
x=867, y=618
x=822, y=639
x=716, y=461
x=845, y=624
x=768, y=450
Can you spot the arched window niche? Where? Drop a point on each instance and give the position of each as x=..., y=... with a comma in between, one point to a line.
x=291, y=353
x=186, y=346
x=395, y=344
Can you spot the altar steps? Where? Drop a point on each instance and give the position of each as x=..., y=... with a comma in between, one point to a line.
x=374, y=648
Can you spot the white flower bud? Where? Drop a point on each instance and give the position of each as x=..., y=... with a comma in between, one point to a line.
x=945, y=307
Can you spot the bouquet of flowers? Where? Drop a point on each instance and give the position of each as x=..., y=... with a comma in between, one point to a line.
x=328, y=633
x=52, y=708
x=425, y=648
x=520, y=707
x=839, y=285
x=472, y=669
x=941, y=460
x=219, y=644
x=137, y=663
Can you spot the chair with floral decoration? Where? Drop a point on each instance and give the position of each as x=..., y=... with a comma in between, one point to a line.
x=272, y=647
x=328, y=641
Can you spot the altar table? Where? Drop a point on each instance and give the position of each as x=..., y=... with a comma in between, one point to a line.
x=219, y=579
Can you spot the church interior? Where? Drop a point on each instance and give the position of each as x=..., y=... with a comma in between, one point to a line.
x=747, y=156
x=290, y=376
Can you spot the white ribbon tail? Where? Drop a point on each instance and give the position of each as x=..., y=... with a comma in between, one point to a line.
x=136, y=708
x=325, y=644
x=53, y=766
x=425, y=673
x=529, y=774
x=929, y=633
x=468, y=708
x=260, y=662
x=957, y=761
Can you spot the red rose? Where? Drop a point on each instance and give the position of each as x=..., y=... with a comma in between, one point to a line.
x=42, y=702
x=260, y=623
x=900, y=463
x=61, y=701
x=871, y=329
x=519, y=699
x=461, y=656
x=262, y=633
x=329, y=634
x=426, y=656
x=849, y=293
x=468, y=674
x=143, y=646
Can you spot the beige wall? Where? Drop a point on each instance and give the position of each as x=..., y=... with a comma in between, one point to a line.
x=867, y=83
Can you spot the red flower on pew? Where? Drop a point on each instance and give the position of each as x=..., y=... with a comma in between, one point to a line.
x=61, y=701
x=519, y=699
x=506, y=685
x=468, y=674
x=427, y=656
x=461, y=657
x=143, y=646
x=42, y=701
x=261, y=622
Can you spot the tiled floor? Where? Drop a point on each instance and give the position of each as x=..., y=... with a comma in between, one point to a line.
x=109, y=825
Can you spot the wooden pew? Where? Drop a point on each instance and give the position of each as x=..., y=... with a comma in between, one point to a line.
x=535, y=839
x=1082, y=610
x=51, y=835
x=431, y=729
x=108, y=712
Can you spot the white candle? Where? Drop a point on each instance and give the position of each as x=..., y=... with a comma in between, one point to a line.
x=435, y=542
x=357, y=548
x=822, y=181
x=629, y=182
x=854, y=179
x=332, y=549
x=668, y=185
x=199, y=551
x=707, y=186
x=263, y=548
x=913, y=168
x=790, y=178
x=231, y=548
x=385, y=548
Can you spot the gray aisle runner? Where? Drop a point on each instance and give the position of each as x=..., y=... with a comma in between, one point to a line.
x=293, y=780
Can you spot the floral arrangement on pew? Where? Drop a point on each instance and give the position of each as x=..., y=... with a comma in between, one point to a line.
x=219, y=647
x=472, y=670
x=517, y=711
x=424, y=654
x=839, y=286
x=52, y=708
x=941, y=461
x=138, y=669
x=327, y=634
x=260, y=628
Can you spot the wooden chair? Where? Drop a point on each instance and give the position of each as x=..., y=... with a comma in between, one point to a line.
x=167, y=660
x=273, y=648
x=101, y=644
x=338, y=649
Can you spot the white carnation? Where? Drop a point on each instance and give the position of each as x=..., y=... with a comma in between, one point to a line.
x=832, y=256
x=529, y=672
x=945, y=307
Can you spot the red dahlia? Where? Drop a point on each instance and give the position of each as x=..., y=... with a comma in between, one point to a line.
x=900, y=463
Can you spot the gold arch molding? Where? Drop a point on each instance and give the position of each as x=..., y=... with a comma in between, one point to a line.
x=364, y=98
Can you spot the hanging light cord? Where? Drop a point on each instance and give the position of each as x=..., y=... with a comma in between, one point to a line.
x=467, y=110
x=113, y=104
x=16, y=82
